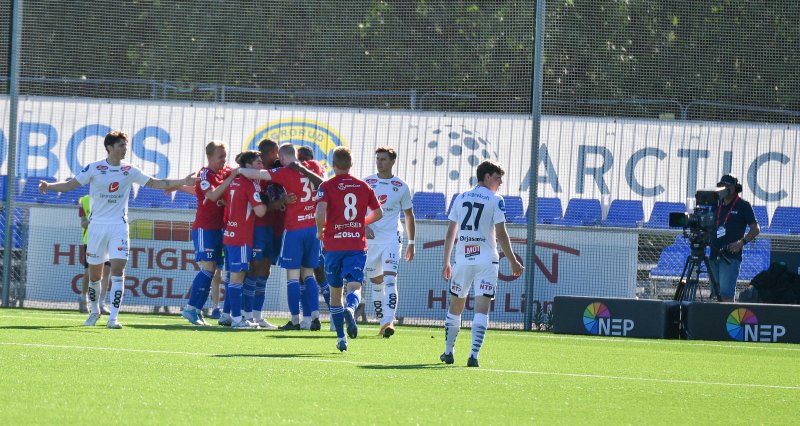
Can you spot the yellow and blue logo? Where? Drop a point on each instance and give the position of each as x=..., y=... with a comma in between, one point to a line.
x=299, y=132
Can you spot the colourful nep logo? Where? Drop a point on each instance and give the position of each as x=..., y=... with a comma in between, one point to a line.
x=597, y=320
x=300, y=132
x=742, y=325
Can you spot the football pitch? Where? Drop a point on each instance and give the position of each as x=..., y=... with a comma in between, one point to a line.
x=161, y=370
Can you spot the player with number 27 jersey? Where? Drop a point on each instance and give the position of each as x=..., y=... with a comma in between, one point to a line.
x=475, y=212
x=348, y=199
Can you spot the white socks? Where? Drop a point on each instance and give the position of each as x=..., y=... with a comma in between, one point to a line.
x=117, y=291
x=94, y=296
x=479, y=324
x=452, y=325
x=389, y=299
x=377, y=301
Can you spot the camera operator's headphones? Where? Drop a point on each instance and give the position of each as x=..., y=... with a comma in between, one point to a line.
x=730, y=180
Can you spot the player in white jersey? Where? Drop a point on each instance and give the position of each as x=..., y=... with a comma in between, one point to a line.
x=110, y=183
x=478, y=219
x=385, y=237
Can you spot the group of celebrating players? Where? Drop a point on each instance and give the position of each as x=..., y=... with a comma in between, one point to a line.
x=277, y=208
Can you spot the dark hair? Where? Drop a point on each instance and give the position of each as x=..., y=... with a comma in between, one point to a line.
x=305, y=153
x=389, y=150
x=267, y=145
x=488, y=167
x=113, y=137
x=341, y=158
x=246, y=157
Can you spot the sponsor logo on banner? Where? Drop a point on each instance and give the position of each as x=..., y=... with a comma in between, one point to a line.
x=742, y=325
x=597, y=320
x=320, y=137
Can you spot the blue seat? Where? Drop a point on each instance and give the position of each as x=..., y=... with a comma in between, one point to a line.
x=149, y=198
x=755, y=258
x=3, y=180
x=429, y=205
x=452, y=200
x=515, y=212
x=624, y=214
x=581, y=212
x=548, y=209
x=786, y=218
x=72, y=197
x=659, y=217
x=29, y=190
x=183, y=200
x=671, y=261
x=16, y=228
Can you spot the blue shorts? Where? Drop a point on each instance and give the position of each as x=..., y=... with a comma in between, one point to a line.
x=300, y=249
x=237, y=258
x=341, y=266
x=262, y=242
x=207, y=245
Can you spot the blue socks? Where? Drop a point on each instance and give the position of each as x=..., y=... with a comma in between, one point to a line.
x=200, y=286
x=248, y=293
x=235, y=297
x=311, y=296
x=353, y=299
x=337, y=316
x=261, y=294
x=326, y=293
x=226, y=305
x=293, y=296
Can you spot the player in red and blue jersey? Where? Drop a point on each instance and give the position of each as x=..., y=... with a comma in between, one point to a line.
x=243, y=204
x=341, y=220
x=207, y=227
x=300, y=250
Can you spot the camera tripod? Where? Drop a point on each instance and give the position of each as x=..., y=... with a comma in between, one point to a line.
x=689, y=283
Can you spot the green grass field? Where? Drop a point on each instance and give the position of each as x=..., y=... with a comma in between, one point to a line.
x=160, y=370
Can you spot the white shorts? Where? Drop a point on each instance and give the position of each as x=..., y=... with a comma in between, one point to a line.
x=104, y=242
x=382, y=258
x=482, y=277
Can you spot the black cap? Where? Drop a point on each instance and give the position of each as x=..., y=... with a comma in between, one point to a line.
x=728, y=180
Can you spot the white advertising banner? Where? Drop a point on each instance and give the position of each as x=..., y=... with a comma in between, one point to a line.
x=580, y=157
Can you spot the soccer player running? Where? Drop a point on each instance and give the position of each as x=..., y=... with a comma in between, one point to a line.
x=110, y=183
x=341, y=220
x=478, y=219
x=208, y=226
x=385, y=237
x=243, y=204
x=300, y=248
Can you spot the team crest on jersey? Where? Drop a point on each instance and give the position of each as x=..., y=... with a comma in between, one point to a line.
x=204, y=185
x=320, y=137
x=472, y=250
x=113, y=187
x=101, y=167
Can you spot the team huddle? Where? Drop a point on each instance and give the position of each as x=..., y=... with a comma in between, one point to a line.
x=330, y=235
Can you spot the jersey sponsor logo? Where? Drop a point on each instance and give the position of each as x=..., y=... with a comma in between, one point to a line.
x=320, y=137
x=383, y=198
x=347, y=234
x=372, y=181
x=471, y=250
x=113, y=187
x=101, y=167
x=309, y=216
x=344, y=186
x=397, y=183
x=125, y=168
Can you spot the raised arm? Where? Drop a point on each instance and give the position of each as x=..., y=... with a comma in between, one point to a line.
x=256, y=174
x=167, y=183
x=217, y=193
x=314, y=178
x=63, y=186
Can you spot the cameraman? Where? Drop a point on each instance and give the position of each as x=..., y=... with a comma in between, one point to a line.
x=733, y=216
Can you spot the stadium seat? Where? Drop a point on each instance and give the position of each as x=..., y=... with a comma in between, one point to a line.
x=183, y=200
x=29, y=190
x=72, y=197
x=149, y=198
x=16, y=228
x=659, y=218
x=581, y=212
x=548, y=209
x=786, y=218
x=515, y=212
x=755, y=258
x=671, y=261
x=3, y=180
x=429, y=205
x=624, y=214
x=452, y=200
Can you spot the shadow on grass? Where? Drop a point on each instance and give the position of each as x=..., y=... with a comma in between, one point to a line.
x=182, y=327
x=271, y=355
x=403, y=366
x=80, y=327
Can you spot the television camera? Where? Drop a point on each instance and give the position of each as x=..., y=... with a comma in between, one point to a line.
x=698, y=228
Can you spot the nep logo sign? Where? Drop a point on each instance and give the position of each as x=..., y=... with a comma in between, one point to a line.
x=742, y=325
x=597, y=320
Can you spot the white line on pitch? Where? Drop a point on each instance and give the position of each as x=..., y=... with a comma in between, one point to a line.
x=332, y=361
